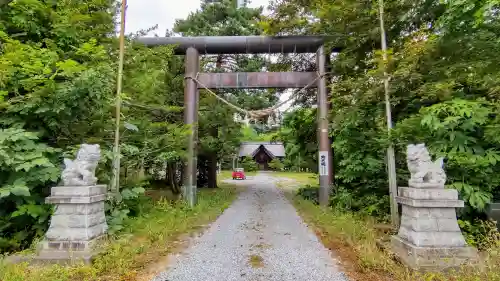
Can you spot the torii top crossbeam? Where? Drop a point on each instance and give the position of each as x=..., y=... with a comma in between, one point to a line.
x=240, y=44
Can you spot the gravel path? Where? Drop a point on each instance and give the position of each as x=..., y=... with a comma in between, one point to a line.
x=259, y=238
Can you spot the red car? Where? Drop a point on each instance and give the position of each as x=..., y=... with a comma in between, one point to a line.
x=239, y=173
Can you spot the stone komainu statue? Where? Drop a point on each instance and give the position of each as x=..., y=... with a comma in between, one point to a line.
x=81, y=171
x=421, y=167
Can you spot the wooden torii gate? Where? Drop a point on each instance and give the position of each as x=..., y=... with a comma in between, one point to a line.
x=192, y=47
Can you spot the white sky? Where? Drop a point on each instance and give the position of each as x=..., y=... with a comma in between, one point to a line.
x=144, y=14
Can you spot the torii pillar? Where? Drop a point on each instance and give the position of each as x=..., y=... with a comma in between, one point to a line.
x=193, y=46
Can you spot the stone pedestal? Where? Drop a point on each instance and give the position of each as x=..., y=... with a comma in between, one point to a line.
x=429, y=237
x=77, y=223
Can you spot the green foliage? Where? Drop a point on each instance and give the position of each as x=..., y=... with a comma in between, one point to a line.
x=299, y=137
x=235, y=21
x=310, y=193
x=57, y=87
x=248, y=133
x=348, y=201
x=276, y=165
x=128, y=253
x=248, y=164
x=444, y=85
x=362, y=204
x=26, y=166
x=57, y=82
x=482, y=234
x=219, y=134
x=360, y=237
x=462, y=131
x=130, y=204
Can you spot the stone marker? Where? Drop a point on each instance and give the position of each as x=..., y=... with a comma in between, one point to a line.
x=79, y=219
x=429, y=237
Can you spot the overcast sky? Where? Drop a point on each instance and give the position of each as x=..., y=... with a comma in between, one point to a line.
x=143, y=14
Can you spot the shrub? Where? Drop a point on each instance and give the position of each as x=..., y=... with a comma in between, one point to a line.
x=310, y=193
x=130, y=203
x=276, y=165
x=346, y=200
x=248, y=164
x=482, y=234
x=26, y=171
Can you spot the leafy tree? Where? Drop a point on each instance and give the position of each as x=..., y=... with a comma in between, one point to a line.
x=464, y=132
x=153, y=96
x=248, y=164
x=56, y=81
x=26, y=168
x=218, y=132
x=276, y=165
x=444, y=82
x=299, y=137
x=250, y=134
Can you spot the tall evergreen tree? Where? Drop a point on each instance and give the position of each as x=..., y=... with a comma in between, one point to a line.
x=218, y=132
x=56, y=79
x=57, y=86
x=442, y=68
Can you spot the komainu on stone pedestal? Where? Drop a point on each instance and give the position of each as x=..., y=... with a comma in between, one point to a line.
x=79, y=219
x=429, y=237
x=81, y=171
x=424, y=172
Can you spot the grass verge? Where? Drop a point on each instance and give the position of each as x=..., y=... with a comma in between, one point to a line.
x=354, y=241
x=300, y=178
x=145, y=240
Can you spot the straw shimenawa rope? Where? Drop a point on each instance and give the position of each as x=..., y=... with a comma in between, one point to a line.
x=254, y=114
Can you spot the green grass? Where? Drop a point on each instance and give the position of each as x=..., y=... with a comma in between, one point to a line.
x=300, y=177
x=144, y=241
x=354, y=239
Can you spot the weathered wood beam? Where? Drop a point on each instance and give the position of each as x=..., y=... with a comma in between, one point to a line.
x=240, y=44
x=249, y=80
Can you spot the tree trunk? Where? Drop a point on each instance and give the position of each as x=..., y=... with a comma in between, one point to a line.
x=182, y=172
x=141, y=169
x=168, y=176
x=212, y=156
x=172, y=181
x=212, y=170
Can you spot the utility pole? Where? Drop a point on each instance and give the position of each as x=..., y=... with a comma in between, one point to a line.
x=391, y=162
x=115, y=182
